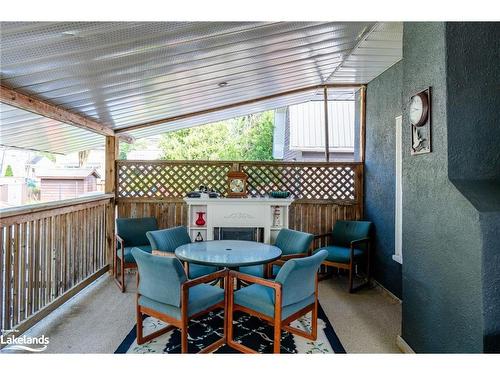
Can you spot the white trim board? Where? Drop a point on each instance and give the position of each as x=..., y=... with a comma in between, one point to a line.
x=398, y=217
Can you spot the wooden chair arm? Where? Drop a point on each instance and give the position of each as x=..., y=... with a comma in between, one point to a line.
x=120, y=240
x=254, y=280
x=292, y=256
x=318, y=236
x=360, y=240
x=203, y=279
x=160, y=253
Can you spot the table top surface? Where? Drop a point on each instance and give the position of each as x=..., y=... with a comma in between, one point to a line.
x=228, y=253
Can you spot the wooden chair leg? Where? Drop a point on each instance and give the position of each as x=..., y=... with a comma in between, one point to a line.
x=184, y=338
x=122, y=276
x=229, y=312
x=351, y=278
x=277, y=336
x=314, y=322
x=140, y=337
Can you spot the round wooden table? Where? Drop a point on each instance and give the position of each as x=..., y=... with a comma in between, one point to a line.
x=228, y=253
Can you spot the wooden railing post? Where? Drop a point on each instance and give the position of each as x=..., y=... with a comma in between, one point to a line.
x=112, y=144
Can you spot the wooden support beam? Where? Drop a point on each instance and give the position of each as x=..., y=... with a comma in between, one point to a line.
x=327, y=141
x=46, y=109
x=362, y=123
x=232, y=105
x=112, y=144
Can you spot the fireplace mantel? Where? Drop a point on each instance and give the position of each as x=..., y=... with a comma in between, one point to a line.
x=271, y=214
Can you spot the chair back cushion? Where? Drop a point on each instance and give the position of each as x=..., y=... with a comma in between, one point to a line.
x=168, y=239
x=133, y=230
x=346, y=231
x=298, y=277
x=160, y=278
x=293, y=242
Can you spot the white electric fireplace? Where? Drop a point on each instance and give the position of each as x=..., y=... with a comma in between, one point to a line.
x=254, y=219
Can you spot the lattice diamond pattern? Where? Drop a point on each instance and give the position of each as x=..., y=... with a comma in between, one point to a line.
x=175, y=179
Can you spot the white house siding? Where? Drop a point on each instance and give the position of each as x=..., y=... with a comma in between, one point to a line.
x=307, y=126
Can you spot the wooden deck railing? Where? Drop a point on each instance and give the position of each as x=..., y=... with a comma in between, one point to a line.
x=48, y=252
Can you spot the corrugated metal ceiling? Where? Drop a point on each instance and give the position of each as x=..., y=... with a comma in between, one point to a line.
x=124, y=73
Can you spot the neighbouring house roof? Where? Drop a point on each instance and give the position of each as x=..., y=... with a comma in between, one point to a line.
x=67, y=173
x=124, y=74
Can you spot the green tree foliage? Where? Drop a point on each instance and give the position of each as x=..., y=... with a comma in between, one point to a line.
x=8, y=171
x=244, y=138
x=125, y=148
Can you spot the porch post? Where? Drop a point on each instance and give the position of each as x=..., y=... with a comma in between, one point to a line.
x=327, y=143
x=362, y=123
x=112, y=144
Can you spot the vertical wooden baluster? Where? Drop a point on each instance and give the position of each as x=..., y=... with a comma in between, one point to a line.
x=56, y=256
x=36, y=266
x=22, y=276
x=64, y=253
x=8, y=278
x=50, y=260
x=15, y=293
x=81, y=241
x=2, y=278
x=101, y=235
x=31, y=268
x=84, y=234
x=69, y=249
x=73, y=248
x=78, y=248
x=91, y=239
x=43, y=260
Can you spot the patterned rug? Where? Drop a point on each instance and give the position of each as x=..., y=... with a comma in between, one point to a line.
x=248, y=330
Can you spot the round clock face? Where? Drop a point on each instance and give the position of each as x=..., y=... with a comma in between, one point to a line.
x=236, y=185
x=419, y=107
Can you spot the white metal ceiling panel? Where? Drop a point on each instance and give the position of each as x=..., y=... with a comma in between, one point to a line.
x=127, y=73
x=381, y=48
x=23, y=129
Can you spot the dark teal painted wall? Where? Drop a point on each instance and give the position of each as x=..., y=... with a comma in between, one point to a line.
x=451, y=197
x=383, y=105
x=473, y=86
x=442, y=268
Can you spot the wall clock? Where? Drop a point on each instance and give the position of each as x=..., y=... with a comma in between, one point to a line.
x=420, y=121
x=237, y=184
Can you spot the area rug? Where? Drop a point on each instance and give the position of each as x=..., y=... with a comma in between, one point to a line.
x=248, y=330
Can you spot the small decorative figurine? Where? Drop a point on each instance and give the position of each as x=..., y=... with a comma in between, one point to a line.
x=199, y=237
x=276, y=216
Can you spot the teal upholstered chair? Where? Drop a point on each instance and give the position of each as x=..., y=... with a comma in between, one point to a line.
x=349, y=245
x=167, y=240
x=293, y=294
x=130, y=232
x=164, y=292
x=292, y=243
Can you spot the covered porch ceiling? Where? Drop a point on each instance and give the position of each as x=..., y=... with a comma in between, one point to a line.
x=148, y=78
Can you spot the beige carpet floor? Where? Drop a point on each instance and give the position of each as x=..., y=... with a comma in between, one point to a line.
x=98, y=318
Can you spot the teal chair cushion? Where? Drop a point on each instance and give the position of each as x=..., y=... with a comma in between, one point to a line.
x=127, y=252
x=160, y=278
x=298, y=277
x=261, y=299
x=196, y=270
x=289, y=242
x=293, y=242
x=257, y=270
x=346, y=231
x=339, y=254
x=133, y=230
x=168, y=239
x=201, y=297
